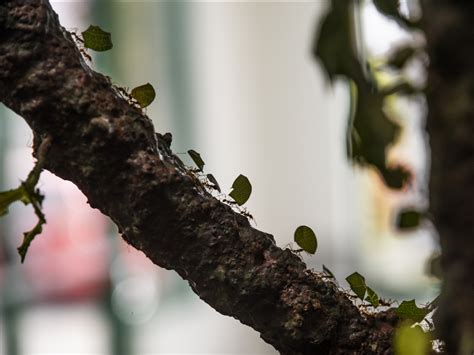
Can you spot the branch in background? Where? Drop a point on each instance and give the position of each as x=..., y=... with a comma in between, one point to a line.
x=450, y=125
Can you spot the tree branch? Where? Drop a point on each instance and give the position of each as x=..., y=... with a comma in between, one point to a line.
x=110, y=151
x=450, y=96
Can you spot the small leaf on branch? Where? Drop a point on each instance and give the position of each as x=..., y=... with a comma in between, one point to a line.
x=213, y=180
x=196, y=157
x=357, y=283
x=328, y=272
x=97, y=39
x=372, y=297
x=8, y=197
x=28, y=194
x=241, y=190
x=306, y=239
x=409, y=310
x=144, y=94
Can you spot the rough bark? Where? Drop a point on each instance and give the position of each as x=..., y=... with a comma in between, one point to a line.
x=449, y=31
x=110, y=151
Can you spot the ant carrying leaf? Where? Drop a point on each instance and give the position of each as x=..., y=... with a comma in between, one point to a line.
x=80, y=45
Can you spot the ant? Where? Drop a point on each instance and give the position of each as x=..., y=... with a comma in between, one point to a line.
x=209, y=185
x=123, y=92
x=386, y=303
x=244, y=212
x=229, y=202
x=80, y=45
x=295, y=251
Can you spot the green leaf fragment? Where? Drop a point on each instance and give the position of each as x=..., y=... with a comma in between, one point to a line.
x=409, y=310
x=408, y=219
x=328, y=272
x=97, y=39
x=214, y=182
x=372, y=297
x=30, y=235
x=241, y=190
x=357, y=283
x=8, y=197
x=144, y=94
x=196, y=157
x=28, y=194
x=410, y=340
x=306, y=239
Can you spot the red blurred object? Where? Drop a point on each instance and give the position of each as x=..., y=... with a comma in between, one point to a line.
x=69, y=260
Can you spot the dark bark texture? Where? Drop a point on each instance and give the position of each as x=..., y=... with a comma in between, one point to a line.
x=110, y=151
x=449, y=29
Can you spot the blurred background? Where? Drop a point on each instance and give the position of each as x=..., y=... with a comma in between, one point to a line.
x=236, y=82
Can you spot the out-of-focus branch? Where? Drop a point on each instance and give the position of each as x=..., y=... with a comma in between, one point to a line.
x=449, y=31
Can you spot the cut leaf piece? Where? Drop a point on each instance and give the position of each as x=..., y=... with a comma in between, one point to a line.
x=357, y=283
x=8, y=197
x=144, y=94
x=306, y=239
x=213, y=180
x=372, y=297
x=241, y=190
x=97, y=39
x=410, y=340
x=409, y=310
x=328, y=272
x=196, y=157
x=408, y=218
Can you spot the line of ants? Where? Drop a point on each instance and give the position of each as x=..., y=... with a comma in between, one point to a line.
x=197, y=175
x=194, y=173
x=122, y=91
x=80, y=45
